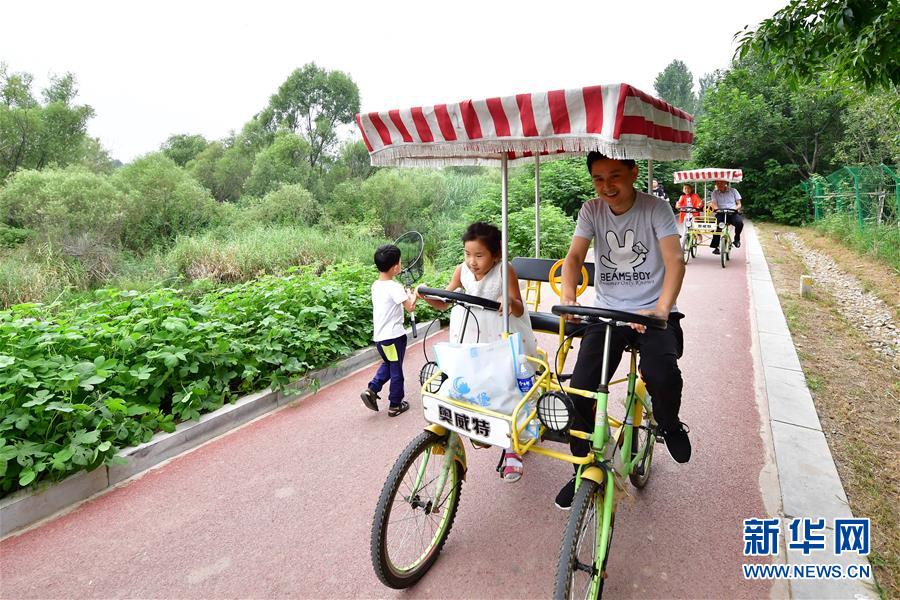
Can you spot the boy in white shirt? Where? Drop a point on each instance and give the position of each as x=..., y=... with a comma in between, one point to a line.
x=388, y=301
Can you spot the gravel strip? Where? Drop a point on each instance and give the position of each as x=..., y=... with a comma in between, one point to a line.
x=860, y=308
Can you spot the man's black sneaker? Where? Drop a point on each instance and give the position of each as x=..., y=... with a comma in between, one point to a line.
x=715, y=251
x=677, y=442
x=370, y=399
x=566, y=495
x=737, y=243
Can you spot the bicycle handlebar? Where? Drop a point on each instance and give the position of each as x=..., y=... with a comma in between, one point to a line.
x=458, y=298
x=605, y=314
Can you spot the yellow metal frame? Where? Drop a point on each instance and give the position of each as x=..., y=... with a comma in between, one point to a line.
x=543, y=382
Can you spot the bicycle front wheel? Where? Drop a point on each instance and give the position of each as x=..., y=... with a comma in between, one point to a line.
x=686, y=247
x=582, y=557
x=723, y=252
x=415, y=511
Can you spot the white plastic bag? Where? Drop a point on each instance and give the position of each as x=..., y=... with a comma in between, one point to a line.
x=483, y=374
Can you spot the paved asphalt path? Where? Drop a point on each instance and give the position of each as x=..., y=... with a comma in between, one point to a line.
x=283, y=507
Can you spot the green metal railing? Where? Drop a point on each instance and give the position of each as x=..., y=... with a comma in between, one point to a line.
x=860, y=199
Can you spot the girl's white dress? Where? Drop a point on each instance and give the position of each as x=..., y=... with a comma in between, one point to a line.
x=487, y=325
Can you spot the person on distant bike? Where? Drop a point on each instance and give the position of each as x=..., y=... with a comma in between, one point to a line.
x=725, y=197
x=638, y=269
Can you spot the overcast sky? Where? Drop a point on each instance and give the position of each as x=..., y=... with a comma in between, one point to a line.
x=153, y=69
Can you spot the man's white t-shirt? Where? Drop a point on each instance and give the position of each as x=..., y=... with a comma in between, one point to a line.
x=628, y=267
x=387, y=310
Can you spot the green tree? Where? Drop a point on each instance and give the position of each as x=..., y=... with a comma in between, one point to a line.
x=675, y=85
x=286, y=161
x=94, y=157
x=852, y=40
x=778, y=135
x=183, y=148
x=222, y=170
x=35, y=135
x=871, y=130
x=313, y=102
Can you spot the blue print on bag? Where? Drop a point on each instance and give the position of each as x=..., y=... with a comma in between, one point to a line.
x=482, y=399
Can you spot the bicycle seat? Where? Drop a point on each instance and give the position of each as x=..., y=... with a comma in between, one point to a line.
x=616, y=317
x=541, y=321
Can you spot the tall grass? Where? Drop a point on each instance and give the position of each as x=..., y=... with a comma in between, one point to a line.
x=226, y=256
x=880, y=241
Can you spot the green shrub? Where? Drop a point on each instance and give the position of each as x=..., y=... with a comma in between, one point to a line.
x=162, y=202
x=288, y=205
x=63, y=205
x=10, y=237
x=77, y=385
x=286, y=161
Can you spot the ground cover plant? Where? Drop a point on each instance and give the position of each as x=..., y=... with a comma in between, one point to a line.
x=80, y=383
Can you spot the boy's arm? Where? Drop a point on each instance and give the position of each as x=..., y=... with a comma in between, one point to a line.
x=410, y=303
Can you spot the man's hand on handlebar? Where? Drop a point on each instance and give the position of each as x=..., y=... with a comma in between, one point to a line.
x=570, y=302
x=650, y=313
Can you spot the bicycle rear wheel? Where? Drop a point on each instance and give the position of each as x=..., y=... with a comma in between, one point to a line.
x=411, y=524
x=643, y=438
x=581, y=571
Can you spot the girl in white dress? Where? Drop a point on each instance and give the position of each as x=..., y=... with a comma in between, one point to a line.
x=479, y=275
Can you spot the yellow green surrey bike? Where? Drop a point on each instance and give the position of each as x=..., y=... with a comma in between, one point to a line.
x=419, y=500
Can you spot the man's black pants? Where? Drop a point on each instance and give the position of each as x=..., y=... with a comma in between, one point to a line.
x=733, y=219
x=659, y=350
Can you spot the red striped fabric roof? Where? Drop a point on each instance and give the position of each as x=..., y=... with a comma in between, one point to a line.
x=709, y=174
x=618, y=120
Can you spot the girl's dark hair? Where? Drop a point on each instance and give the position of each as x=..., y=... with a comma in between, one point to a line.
x=487, y=234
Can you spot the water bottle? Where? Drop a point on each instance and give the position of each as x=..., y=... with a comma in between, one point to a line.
x=524, y=374
x=525, y=381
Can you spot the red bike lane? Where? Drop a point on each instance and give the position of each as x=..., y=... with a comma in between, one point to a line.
x=283, y=506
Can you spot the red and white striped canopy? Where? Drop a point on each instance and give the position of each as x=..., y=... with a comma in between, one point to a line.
x=618, y=120
x=710, y=174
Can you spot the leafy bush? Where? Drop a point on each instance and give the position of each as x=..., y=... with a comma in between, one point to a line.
x=396, y=199
x=286, y=161
x=161, y=202
x=77, y=385
x=288, y=205
x=10, y=237
x=228, y=256
x=63, y=204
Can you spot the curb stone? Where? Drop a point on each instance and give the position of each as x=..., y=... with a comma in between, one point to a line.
x=26, y=507
x=808, y=478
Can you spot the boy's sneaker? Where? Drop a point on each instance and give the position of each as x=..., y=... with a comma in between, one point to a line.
x=566, y=495
x=737, y=243
x=370, y=399
x=398, y=409
x=716, y=251
x=677, y=442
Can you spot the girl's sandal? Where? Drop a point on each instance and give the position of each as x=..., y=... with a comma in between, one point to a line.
x=512, y=467
x=393, y=411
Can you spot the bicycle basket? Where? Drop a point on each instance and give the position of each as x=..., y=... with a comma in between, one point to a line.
x=429, y=369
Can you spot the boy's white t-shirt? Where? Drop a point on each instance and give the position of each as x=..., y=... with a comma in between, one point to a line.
x=387, y=310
